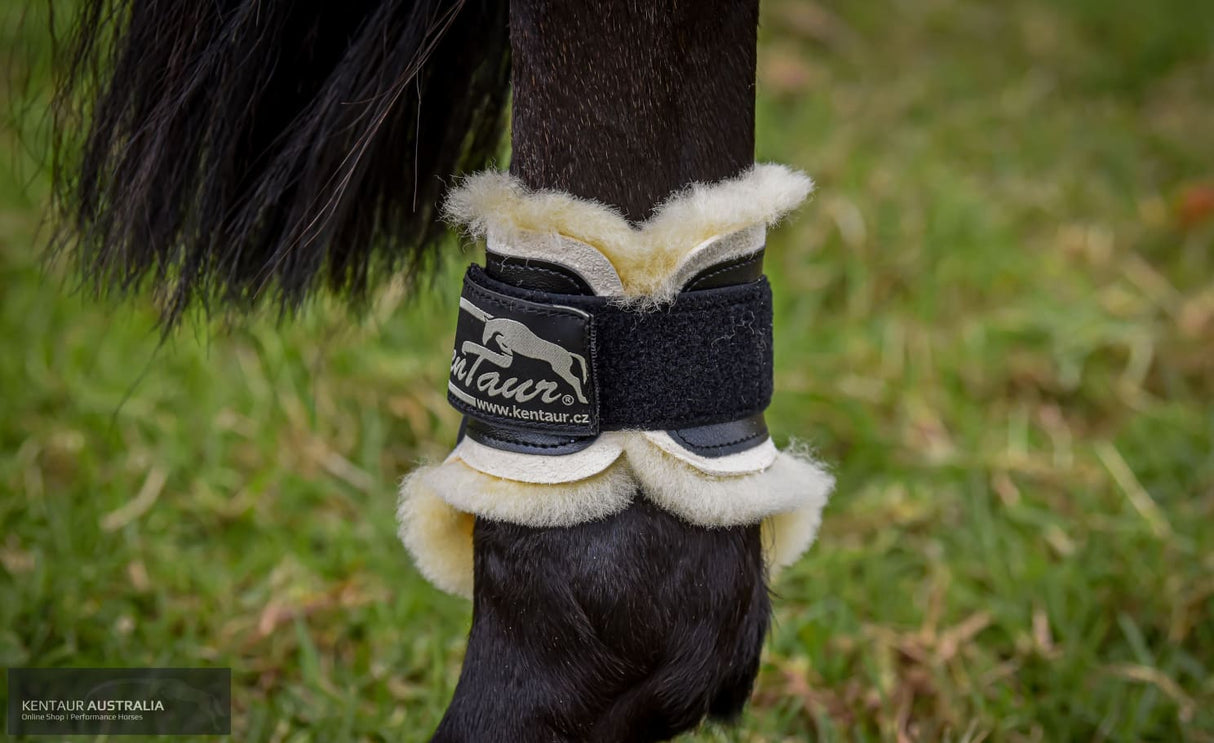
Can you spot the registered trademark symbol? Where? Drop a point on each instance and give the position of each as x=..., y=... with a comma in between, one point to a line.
x=567, y=399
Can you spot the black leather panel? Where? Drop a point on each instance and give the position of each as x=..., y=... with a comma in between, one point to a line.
x=533, y=274
x=542, y=276
x=720, y=439
x=522, y=441
x=524, y=363
x=742, y=270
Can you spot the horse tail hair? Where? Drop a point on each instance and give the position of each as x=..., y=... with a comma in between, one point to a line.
x=234, y=150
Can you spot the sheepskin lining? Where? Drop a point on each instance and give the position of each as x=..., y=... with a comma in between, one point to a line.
x=646, y=257
x=438, y=505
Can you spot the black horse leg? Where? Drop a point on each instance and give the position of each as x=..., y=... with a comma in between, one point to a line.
x=635, y=627
x=625, y=102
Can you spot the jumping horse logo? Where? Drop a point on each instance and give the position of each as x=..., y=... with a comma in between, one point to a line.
x=513, y=337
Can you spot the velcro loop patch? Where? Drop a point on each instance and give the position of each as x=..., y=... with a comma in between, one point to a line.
x=578, y=365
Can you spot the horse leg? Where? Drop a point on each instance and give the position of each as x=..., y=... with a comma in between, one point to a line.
x=637, y=626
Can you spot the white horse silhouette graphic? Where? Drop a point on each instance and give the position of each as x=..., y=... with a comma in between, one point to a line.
x=514, y=337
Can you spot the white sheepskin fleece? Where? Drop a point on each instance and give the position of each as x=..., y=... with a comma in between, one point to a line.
x=790, y=483
x=785, y=491
x=646, y=256
x=438, y=504
x=527, y=503
x=438, y=536
x=786, y=536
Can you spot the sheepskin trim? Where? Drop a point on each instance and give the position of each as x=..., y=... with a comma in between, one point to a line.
x=495, y=205
x=792, y=482
x=439, y=505
x=531, y=504
x=786, y=536
x=782, y=483
x=438, y=536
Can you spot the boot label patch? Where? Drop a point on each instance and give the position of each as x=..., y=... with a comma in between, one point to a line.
x=523, y=363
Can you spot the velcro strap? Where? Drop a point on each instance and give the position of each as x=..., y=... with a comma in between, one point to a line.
x=578, y=365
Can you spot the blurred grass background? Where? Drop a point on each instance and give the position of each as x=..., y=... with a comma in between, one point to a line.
x=996, y=320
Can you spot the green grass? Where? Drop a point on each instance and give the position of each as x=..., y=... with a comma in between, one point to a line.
x=996, y=320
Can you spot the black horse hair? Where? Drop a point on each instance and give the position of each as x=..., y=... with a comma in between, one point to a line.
x=231, y=150
x=637, y=627
x=629, y=629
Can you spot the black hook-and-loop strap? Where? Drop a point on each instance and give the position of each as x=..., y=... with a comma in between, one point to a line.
x=578, y=365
